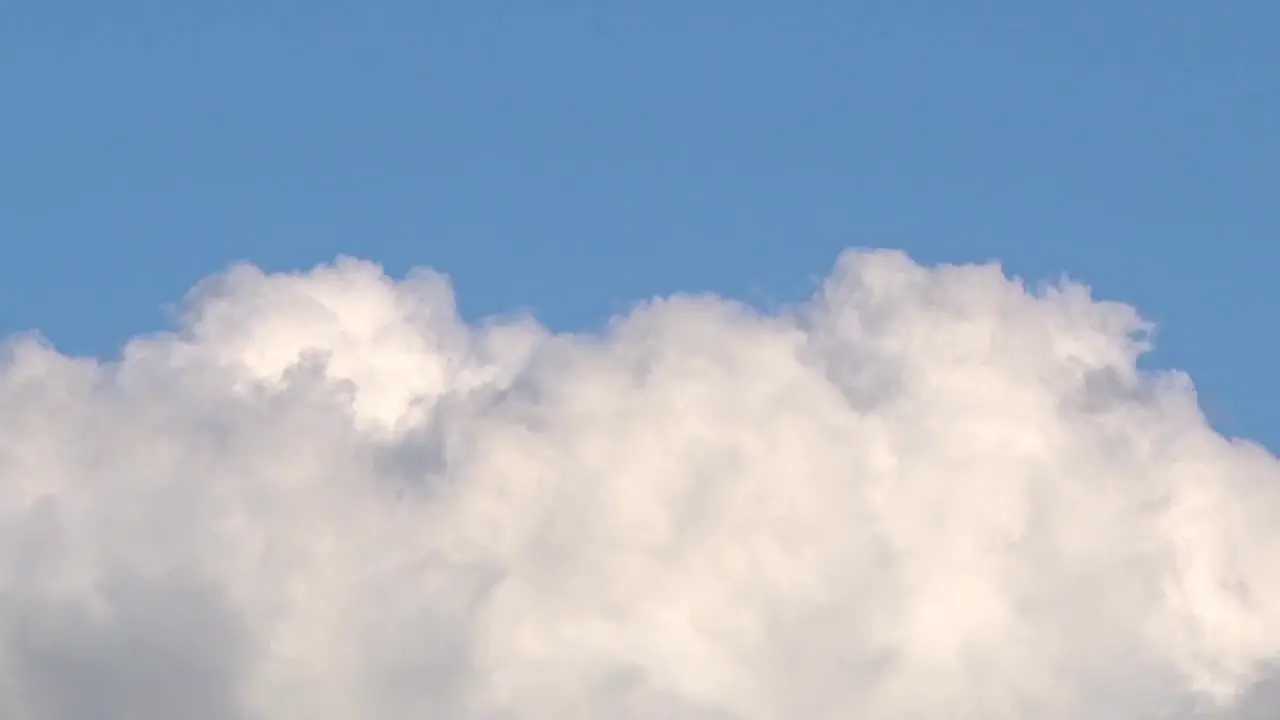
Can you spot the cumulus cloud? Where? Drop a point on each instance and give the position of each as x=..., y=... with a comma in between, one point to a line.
x=922, y=493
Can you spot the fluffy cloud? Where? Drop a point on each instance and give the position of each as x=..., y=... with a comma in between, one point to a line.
x=922, y=493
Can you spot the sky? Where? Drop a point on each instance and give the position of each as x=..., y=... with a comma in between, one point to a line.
x=688, y=360
x=572, y=158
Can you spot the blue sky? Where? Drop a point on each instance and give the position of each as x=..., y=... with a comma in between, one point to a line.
x=571, y=157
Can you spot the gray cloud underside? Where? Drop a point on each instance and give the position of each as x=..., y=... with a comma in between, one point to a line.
x=923, y=493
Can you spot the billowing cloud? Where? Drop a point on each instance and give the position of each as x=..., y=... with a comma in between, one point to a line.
x=922, y=493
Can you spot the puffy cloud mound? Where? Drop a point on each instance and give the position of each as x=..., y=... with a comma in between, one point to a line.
x=922, y=493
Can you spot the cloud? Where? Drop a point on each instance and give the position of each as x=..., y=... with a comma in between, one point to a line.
x=922, y=493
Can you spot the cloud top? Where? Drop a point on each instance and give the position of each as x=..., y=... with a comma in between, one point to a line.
x=924, y=492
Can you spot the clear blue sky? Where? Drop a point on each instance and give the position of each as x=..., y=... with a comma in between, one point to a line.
x=574, y=156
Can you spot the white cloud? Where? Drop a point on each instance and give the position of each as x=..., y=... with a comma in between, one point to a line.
x=925, y=493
